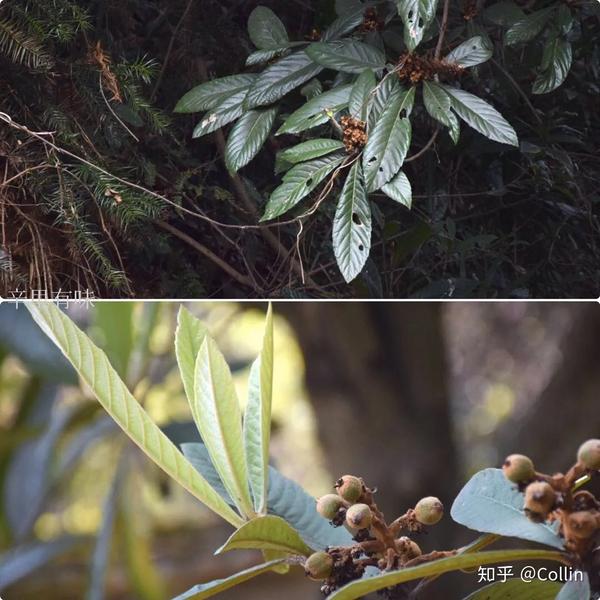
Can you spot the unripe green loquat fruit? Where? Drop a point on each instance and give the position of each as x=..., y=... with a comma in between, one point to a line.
x=350, y=488
x=359, y=516
x=518, y=468
x=328, y=506
x=589, y=455
x=429, y=510
x=318, y=566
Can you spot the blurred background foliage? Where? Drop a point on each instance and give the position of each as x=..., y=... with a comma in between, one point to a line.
x=104, y=76
x=413, y=397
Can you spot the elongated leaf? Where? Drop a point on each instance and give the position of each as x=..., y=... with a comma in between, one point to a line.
x=399, y=189
x=352, y=225
x=343, y=7
x=267, y=533
x=385, y=91
x=95, y=370
x=114, y=320
x=266, y=29
x=472, y=52
x=438, y=105
x=212, y=94
x=198, y=456
x=299, y=182
x=491, y=504
x=517, y=589
x=346, y=22
x=348, y=56
x=361, y=94
x=360, y=588
x=575, y=589
x=306, y=151
x=504, y=13
x=257, y=419
x=189, y=335
x=259, y=57
x=481, y=116
x=556, y=63
x=389, y=141
x=416, y=16
x=217, y=414
x=247, y=137
x=207, y=590
x=528, y=27
x=280, y=78
x=317, y=111
x=229, y=110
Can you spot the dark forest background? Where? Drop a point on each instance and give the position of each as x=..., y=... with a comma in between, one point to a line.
x=488, y=220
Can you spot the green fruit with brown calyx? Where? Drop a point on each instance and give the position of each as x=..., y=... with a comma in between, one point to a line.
x=329, y=506
x=429, y=510
x=350, y=488
x=589, y=455
x=539, y=500
x=319, y=566
x=518, y=468
x=359, y=516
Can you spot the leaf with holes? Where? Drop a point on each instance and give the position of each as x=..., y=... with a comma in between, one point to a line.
x=306, y=151
x=229, y=110
x=481, y=116
x=556, y=63
x=528, y=27
x=389, y=141
x=416, y=16
x=266, y=29
x=361, y=94
x=212, y=94
x=217, y=415
x=300, y=181
x=247, y=137
x=98, y=374
x=257, y=419
x=352, y=225
x=280, y=78
x=399, y=189
x=438, y=105
x=267, y=533
x=474, y=51
x=348, y=56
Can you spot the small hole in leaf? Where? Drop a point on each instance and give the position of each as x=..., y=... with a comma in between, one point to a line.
x=361, y=247
x=372, y=160
x=420, y=23
x=474, y=48
x=309, y=182
x=356, y=219
x=403, y=113
x=410, y=15
x=381, y=169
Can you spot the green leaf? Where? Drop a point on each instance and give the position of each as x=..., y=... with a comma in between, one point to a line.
x=517, y=589
x=300, y=181
x=389, y=141
x=198, y=456
x=474, y=51
x=229, y=110
x=438, y=105
x=115, y=322
x=343, y=7
x=257, y=419
x=399, y=189
x=360, y=588
x=348, y=56
x=95, y=370
x=266, y=533
x=317, y=111
x=361, y=94
x=280, y=78
x=262, y=56
x=416, y=16
x=528, y=27
x=504, y=13
x=481, y=116
x=306, y=151
x=266, y=29
x=346, y=22
x=247, y=137
x=575, y=590
x=385, y=91
x=556, y=63
x=491, y=504
x=211, y=94
x=207, y=590
x=352, y=225
x=217, y=415
x=189, y=335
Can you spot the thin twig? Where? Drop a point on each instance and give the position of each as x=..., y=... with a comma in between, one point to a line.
x=443, y=27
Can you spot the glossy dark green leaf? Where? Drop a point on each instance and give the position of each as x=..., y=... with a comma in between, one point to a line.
x=300, y=181
x=259, y=57
x=473, y=51
x=399, y=189
x=556, y=63
x=481, y=116
x=229, y=110
x=504, y=13
x=281, y=78
x=349, y=56
x=345, y=23
x=416, y=16
x=317, y=111
x=528, y=27
x=343, y=7
x=352, y=225
x=306, y=151
x=266, y=29
x=389, y=141
x=248, y=136
x=438, y=105
x=211, y=94
x=490, y=503
x=361, y=94
x=385, y=90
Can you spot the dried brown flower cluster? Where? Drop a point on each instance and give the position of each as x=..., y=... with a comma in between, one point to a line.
x=556, y=498
x=355, y=133
x=371, y=21
x=414, y=68
x=469, y=10
x=377, y=543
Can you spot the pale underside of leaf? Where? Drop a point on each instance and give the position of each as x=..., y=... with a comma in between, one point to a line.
x=212, y=94
x=470, y=53
x=189, y=335
x=399, y=189
x=95, y=370
x=416, y=16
